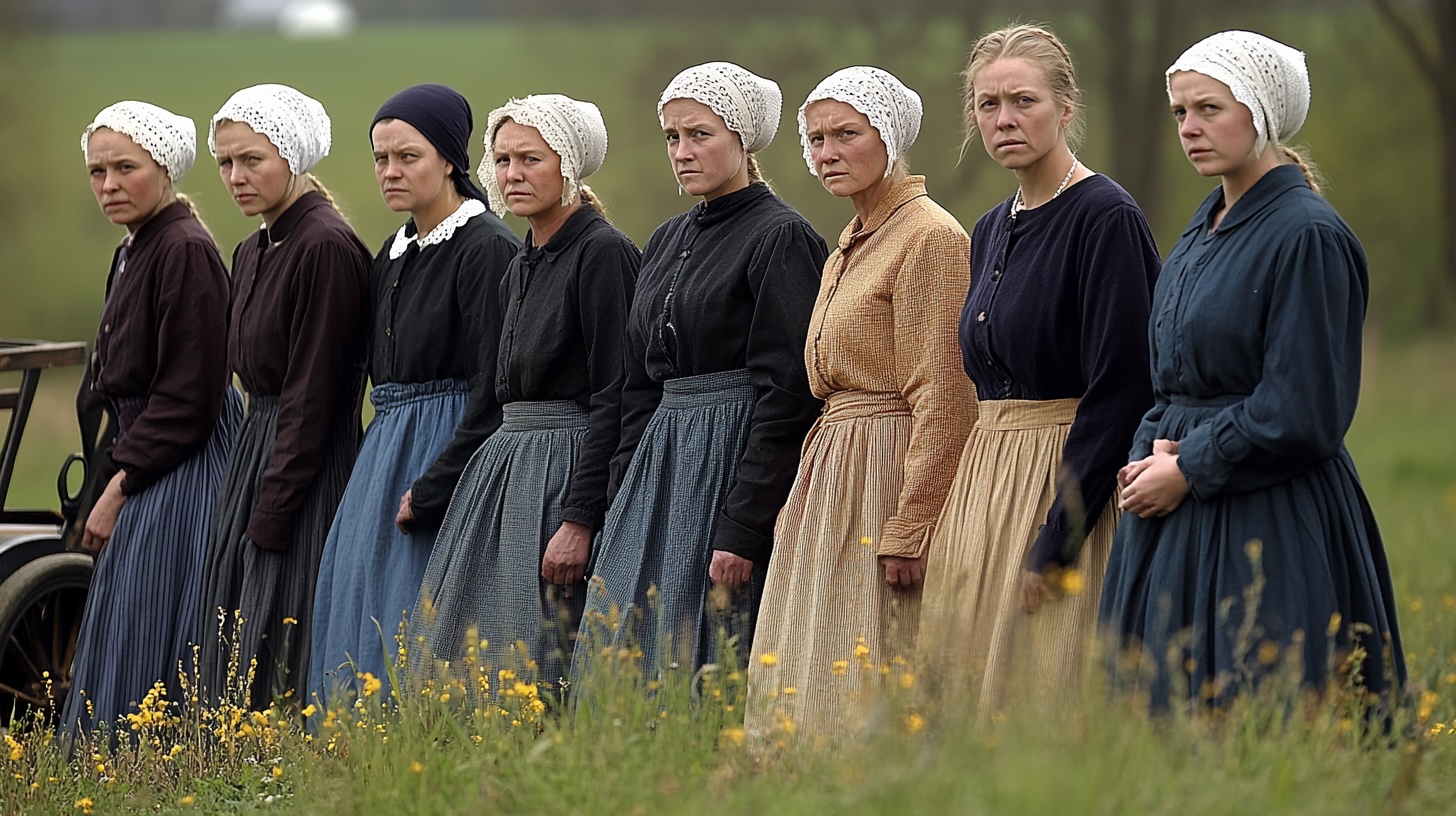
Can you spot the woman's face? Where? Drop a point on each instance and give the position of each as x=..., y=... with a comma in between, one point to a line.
x=256, y=176
x=707, y=157
x=1018, y=116
x=412, y=174
x=527, y=170
x=1216, y=131
x=847, y=150
x=128, y=183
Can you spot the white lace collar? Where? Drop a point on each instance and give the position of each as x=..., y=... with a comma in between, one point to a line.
x=445, y=231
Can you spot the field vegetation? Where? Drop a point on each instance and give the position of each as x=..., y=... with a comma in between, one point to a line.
x=1370, y=129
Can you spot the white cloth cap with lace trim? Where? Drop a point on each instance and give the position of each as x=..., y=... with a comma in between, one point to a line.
x=1267, y=76
x=892, y=108
x=170, y=139
x=295, y=123
x=572, y=128
x=748, y=104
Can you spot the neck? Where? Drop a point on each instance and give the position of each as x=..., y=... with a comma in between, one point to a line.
x=866, y=200
x=301, y=185
x=1237, y=183
x=438, y=210
x=1039, y=182
x=547, y=224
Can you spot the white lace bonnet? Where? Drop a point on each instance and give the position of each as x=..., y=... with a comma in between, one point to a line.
x=893, y=109
x=1267, y=76
x=572, y=128
x=170, y=139
x=296, y=124
x=748, y=104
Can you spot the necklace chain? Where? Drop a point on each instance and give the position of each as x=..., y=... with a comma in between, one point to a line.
x=1017, y=206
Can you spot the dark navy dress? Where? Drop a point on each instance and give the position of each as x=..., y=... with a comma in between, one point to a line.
x=1273, y=560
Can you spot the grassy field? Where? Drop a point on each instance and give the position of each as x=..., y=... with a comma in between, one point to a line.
x=671, y=758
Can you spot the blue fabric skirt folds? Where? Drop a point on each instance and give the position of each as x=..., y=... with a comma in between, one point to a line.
x=1217, y=596
x=650, y=581
x=484, y=581
x=142, y=609
x=370, y=572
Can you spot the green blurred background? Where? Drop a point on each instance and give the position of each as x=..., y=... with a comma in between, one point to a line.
x=1373, y=128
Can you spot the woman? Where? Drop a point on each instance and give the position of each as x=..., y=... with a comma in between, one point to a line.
x=1248, y=549
x=296, y=337
x=1054, y=336
x=433, y=331
x=513, y=552
x=897, y=410
x=716, y=402
x=161, y=363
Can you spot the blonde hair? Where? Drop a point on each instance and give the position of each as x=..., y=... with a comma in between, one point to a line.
x=1299, y=156
x=192, y=208
x=591, y=199
x=1037, y=45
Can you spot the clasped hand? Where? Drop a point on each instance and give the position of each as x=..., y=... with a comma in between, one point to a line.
x=1153, y=486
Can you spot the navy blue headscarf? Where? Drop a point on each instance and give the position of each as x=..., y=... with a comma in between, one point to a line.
x=443, y=116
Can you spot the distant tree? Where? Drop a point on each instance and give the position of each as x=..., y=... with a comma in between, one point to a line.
x=1427, y=29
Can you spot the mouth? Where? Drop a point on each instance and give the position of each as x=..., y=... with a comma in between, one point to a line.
x=686, y=173
x=243, y=198
x=832, y=174
x=394, y=191
x=111, y=205
x=1198, y=152
x=1007, y=145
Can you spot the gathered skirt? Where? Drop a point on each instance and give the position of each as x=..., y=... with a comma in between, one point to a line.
x=140, y=621
x=976, y=639
x=830, y=623
x=484, y=582
x=1208, y=602
x=370, y=572
x=271, y=592
x=649, y=585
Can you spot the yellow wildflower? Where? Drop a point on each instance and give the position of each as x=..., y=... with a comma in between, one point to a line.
x=1072, y=582
x=733, y=735
x=290, y=621
x=417, y=766
x=907, y=681
x=841, y=667
x=310, y=710
x=768, y=659
x=914, y=722
x=188, y=801
x=85, y=804
x=371, y=684
x=277, y=772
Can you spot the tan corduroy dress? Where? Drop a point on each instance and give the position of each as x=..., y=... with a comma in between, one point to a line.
x=876, y=467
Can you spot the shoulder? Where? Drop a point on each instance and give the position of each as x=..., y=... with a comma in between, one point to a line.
x=601, y=235
x=991, y=220
x=485, y=228
x=926, y=220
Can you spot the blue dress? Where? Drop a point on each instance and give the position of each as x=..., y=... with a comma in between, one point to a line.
x=1273, y=562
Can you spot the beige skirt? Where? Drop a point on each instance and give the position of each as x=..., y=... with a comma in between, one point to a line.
x=829, y=623
x=976, y=638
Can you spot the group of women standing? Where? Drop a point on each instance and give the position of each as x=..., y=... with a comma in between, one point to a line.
x=735, y=443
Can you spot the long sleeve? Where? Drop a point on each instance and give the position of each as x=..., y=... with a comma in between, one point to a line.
x=929, y=290
x=186, y=394
x=604, y=293
x=324, y=373
x=1305, y=399
x=478, y=296
x=1120, y=264
x=640, y=393
x=784, y=276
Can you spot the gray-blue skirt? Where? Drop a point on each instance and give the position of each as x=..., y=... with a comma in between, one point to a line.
x=484, y=580
x=650, y=584
x=142, y=609
x=370, y=573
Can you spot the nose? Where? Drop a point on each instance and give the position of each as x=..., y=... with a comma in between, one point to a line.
x=514, y=171
x=1188, y=128
x=235, y=174
x=680, y=150
x=391, y=169
x=111, y=182
x=1005, y=118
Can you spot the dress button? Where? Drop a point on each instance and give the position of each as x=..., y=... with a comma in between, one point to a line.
x=388, y=331
x=996, y=276
x=108, y=327
x=981, y=318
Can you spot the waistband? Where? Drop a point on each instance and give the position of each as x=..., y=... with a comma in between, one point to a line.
x=546, y=415
x=703, y=390
x=390, y=395
x=1220, y=401
x=1021, y=415
x=843, y=405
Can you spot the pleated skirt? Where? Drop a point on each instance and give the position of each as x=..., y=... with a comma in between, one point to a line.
x=370, y=572
x=649, y=585
x=141, y=613
x=977, y=642
x=483, y=582
x=271, y=592
x=1220, y=596
x=829, y=620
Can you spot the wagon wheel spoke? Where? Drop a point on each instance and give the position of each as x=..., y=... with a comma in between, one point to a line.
x=56, y=618
x=26, y=696
x=17, y=649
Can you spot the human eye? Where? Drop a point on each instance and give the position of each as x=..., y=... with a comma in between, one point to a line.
x=502, y=160
x=1179, y=112
x=986, y=104
x=96, y=171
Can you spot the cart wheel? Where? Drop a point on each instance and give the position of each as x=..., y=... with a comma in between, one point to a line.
x=40, y=618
